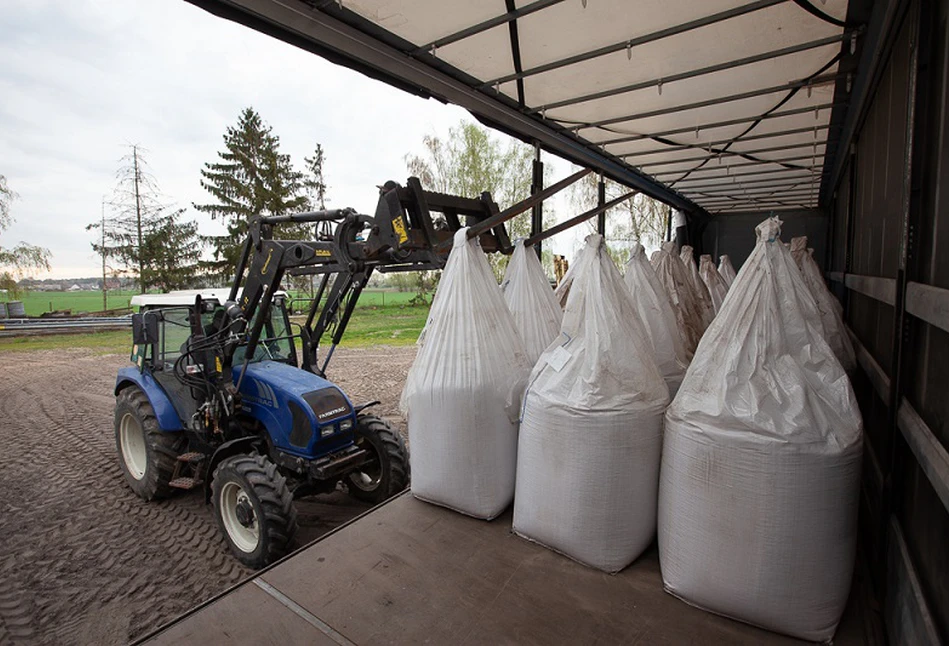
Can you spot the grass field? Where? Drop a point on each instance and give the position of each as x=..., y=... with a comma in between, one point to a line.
x=369, y=325
x=38, y=302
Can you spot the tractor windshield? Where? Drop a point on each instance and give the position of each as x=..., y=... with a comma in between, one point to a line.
x=276, y=340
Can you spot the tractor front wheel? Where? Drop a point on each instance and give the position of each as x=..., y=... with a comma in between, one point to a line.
x=254, y=509
x=146, y=453
x=387, y=471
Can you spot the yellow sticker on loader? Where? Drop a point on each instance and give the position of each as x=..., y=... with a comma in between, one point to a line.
x=398, y=224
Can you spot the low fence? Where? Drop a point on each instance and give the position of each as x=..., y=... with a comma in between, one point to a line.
x=37, y=326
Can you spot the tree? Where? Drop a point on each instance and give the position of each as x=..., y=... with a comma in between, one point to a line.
x=172, y=251
x=638, y=219
x=251, y=178
x=315, y=186
x=143, y=235
x=314, y=182
x=21, y=258
x=471, y=161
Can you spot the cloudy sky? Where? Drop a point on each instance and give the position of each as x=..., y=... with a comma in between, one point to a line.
x=81, y=80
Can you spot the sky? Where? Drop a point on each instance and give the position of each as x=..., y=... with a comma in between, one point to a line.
x=83, y=80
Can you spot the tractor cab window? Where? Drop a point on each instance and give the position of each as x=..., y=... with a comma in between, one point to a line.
x=173, y=333
x=276, y=340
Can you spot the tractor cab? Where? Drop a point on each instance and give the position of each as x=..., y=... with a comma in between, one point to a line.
x=171, y=318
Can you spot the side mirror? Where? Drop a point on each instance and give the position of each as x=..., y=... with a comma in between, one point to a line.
x=145, y=328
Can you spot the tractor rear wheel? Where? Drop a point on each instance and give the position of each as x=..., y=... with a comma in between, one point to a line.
x=387, y=471
x=146, y=453
x=254, y=509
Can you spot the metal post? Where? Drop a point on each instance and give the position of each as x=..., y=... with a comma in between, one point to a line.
x=537, y=185
x=600, y=201
x=916, y=132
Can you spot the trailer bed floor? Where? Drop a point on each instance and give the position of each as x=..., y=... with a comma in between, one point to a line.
x=411, y=572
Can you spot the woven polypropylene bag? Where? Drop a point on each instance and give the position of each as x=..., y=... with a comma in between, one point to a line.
x=658, y=318
x=726, y=269
x=528, y=294
x=675, y=280
x=699, y=290
x=463, y=391
x=835, y=332
x=591, y=430
x=761, y=460
x=563, y=287
x=717, y=288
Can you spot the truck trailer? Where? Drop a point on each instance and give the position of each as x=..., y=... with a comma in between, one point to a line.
x=831, y=115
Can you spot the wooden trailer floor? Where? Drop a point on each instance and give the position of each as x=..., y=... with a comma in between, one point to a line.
x=409, y=572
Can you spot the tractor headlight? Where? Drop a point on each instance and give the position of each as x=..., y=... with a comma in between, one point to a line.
x=346, y=424
x=327, y=430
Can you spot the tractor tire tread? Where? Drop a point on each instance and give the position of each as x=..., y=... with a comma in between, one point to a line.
x=396, y=455
x=162, y=446
x=276, y=504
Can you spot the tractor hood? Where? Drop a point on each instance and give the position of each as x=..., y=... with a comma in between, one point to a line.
x=305, y=414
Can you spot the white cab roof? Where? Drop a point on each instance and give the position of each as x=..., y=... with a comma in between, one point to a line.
x=183, y=297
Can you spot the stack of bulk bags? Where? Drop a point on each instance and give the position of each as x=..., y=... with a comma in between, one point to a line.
x=591, y=429
x=462, y=394
x=676, y=282
x=528, y=295
x=761, y=460
x=713, y=281
x=835, y=332
x=658, y=318
x=699, y=290
x=726, y=270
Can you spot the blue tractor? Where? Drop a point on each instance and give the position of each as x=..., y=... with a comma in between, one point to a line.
x=225, y=394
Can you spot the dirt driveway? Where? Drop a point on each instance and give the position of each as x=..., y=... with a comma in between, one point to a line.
x=83, y=560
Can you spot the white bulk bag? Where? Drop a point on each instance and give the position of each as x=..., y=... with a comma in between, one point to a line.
x=835, y=332
x=530, y=298
x=700, y=291
x=713, y=280
x=674, y=278
x=658, y=318
x=726, y=269
x=761, y=460
x=591, y=430
x=563, y=287
x=462, y=394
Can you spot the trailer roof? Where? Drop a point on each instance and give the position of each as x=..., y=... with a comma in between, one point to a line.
x=714, y=106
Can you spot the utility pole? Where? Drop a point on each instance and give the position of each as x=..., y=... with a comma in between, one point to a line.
x=105, y=297
x=138, y=219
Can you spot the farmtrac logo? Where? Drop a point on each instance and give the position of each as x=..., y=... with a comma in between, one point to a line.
x=330, y=413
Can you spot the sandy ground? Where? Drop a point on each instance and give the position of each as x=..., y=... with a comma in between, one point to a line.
x=82, y=559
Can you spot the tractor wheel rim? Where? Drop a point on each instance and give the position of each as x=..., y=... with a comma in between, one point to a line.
x=244, y=537
x=369, y=475
x=133, y=446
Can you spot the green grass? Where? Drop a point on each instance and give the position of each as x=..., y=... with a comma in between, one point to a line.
x=374, y=298
x=38, y=302
x=389, y=325
x=108, y=342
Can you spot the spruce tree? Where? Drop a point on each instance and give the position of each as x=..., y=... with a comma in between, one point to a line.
x=142, y=235
x=171, y=252
x=250, y=178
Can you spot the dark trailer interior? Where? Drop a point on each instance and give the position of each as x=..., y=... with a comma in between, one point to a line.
x=831, y=115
